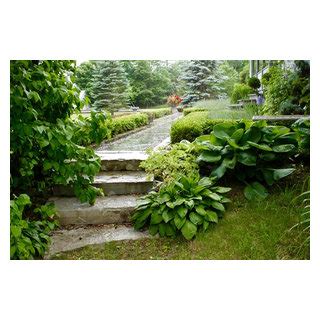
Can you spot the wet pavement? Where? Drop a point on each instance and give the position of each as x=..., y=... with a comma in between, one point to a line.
x=150, y=137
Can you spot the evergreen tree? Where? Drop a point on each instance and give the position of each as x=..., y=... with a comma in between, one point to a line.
x=201, y=81
x=84, y=77
x=110, y=86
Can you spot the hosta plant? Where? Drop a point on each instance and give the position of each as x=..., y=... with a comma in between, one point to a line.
x=255, y=152
x=185, y=206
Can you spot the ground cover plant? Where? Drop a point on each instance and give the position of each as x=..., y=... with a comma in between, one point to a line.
x=255, y=152
x=183, y=205
x=248, y=230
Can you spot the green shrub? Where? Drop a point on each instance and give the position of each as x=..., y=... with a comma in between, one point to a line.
x=127, y=123
x=240, y=91
x=181, y=206
x=193, y=125
x=93, y=129
x=252, y=150
x=254, y=83
x=186, y=111
x=302, y=128
x=29, y=238
x=168, y=164
x=158, y=113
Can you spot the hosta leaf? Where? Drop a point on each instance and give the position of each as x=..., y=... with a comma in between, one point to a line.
x=179, y=222
x=284, y=148
x=170, y=204
x=255, y=191
x=195, y=218
x=167, y=216
x=268, y=176
x=182, y=211
x=247, y=158
x=178, y=202
x=189, y=230
x=156, y=218
x=269, y=156
x=253, y=134
x=211, y=195
x=162, y=229
x=211, y=216
x=153, y=229
x=217, y=205
x=164, y=198
x=229, y=163
x=219, y=171
x=206, y=182
x=281, y=173
x=189, y=203
x=222, y=189
x=200, y=209
x=170, y=231
x=209, y=156
x=260, y=146
x=237, y=135
x=205, y=225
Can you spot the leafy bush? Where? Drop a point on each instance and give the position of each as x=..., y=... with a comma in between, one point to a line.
x=29, y=238
x=192, y=126
x=240, y=91
x=302, y=128
x=158, y=113
x=287, y=91
x=42, y=151
x=93, y=129
x=168, y=164
x=254, y=83
x=181, y=206
x=252, y=150
x=186, y=111
x=127, y=123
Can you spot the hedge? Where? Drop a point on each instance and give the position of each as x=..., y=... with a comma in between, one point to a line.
x=157, y=113
x=186, y=111
x=193, y=125
x=130, y=122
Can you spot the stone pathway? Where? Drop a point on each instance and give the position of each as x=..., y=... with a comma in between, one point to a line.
x=78, y=237
x=150, y=137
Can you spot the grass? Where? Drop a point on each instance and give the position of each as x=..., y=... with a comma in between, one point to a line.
x=218, y=109
x=258, y=230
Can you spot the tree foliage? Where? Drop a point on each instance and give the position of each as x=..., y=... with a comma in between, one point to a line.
x=42, y=151
x=109, y=86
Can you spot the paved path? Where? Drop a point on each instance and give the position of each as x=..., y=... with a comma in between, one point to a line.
x=150, y=137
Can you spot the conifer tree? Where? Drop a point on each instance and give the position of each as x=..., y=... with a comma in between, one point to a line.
x=201, y=81
x=110, y=86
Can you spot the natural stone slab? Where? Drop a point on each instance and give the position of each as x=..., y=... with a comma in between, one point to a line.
x=121, y=182
x=121, y=161
x=115, y=183
x=70, y=239
x=280, y=118
x=112, y=209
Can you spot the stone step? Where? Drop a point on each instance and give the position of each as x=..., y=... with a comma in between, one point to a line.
x=106, y=210
x=121, y=160
x=115, y=183
x=75, y=237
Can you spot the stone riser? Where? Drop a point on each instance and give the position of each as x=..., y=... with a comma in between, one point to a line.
x=118, y=165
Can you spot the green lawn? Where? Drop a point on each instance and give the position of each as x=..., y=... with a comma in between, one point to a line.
x=218, y=109
x=248, y=231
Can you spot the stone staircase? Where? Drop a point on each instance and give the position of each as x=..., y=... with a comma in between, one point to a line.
x=122, y=181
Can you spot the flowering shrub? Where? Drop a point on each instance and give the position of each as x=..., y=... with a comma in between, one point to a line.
x=174, y=100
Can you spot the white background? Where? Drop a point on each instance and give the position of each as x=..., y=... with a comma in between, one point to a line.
x=159, y=30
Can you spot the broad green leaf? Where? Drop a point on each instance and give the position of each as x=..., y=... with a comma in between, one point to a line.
x=206, y=182
x=211, y=195
x=255, y=191
x=247, y=158
x=189, y=230
x=281, y=173
x=219, y=171
x=169, y=230
x=205, y=225
x=195, y=218
x=179, y=222
x=269, y=156
x=237, y=135
x=217, y=205
x=284, y=148
x=253, y=134
x=222, y=189
x=211, y=216
x=264, y=147
x=156, y=218
x=200, y=209
x=162, y=229
x=268, y=176
x=209, y=156
x=167, y=216
x=164, y=198
x=221, y=130
x=229, y=163
x=189, y=203
x=182, y=211
x=153, y=229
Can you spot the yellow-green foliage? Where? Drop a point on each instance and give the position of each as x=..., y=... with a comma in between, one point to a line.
x=130, y=122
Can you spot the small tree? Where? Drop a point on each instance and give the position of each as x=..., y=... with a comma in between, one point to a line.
x=110, y=86
x=84, y=76
x=254, y=83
